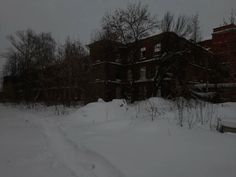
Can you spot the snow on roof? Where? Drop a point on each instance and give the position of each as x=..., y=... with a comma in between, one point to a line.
x=205, y=94
x=107, y=81
x=149, y=60
x=224, y=28
x=144, y=80
x=102, y=62
x=219, y=85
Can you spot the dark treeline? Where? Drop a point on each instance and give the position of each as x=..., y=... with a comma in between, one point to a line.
x=41, y=70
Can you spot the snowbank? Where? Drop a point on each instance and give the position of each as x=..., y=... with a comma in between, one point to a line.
x=106, y=139
x=228, y=123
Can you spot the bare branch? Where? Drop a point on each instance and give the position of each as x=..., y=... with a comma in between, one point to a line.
x=130, y=24
x=180, y=25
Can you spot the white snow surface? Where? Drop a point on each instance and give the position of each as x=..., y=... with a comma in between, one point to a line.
x=228, y=123
x=113, y=139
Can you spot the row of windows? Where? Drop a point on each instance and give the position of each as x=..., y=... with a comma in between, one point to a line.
x=143, y=53
x=157, y=48
x=143, y=73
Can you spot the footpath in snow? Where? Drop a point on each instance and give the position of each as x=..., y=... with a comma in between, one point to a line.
x=115, y=139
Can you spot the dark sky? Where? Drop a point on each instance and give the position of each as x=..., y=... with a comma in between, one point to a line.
x=80, y=18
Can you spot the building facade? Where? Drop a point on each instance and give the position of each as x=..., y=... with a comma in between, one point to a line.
x=131, y=71
x=223, y=45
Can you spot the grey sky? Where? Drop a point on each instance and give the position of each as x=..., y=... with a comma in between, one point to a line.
x=80, y=18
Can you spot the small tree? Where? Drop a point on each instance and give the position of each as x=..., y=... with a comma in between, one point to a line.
x=180, y=104
x=152, y=109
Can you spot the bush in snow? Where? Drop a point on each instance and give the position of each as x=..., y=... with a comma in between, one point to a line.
x=152, y=109
x=192, y=112
x=180, y=104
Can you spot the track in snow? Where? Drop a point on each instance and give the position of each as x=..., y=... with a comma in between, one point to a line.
x=81, y=161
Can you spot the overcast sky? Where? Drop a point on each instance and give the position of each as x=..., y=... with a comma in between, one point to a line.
x=80, y=18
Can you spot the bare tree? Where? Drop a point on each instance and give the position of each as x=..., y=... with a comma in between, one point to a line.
x=28, y=57
x=179, y=25
x=231, y=19
x=180, y=104
x=167, y=22
x=195, y=25
x=130, y=24
x=29, y=51
x=152, y=109
x=22, y=49
x=11, y=67
x=45, y=50
x=74, y=66
x=104, y=34
x=45, y=56
x=182, y=27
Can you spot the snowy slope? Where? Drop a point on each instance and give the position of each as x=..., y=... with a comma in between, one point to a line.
x=115, y=139
x=24, y=150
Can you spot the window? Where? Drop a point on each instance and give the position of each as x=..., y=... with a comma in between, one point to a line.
x=118, y=92
x=129, y=75
x=143, y=73
x=157, y=48
x=151, y=72
x=156, y=70
x=118, y=58
x=143, y=52
x=142, y=92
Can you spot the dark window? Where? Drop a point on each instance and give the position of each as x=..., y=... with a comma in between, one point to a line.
x=143, y=52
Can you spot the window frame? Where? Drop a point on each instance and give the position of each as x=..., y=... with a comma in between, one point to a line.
x=157, y=49
x=143, y=52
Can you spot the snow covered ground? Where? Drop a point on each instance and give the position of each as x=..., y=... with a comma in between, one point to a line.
x=117, y=140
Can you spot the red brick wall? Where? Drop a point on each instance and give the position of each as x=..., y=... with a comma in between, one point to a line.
x=223, y=44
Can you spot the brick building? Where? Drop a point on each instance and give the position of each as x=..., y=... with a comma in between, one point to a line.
x=223, y=45
x=162, y=65
x=130, y=71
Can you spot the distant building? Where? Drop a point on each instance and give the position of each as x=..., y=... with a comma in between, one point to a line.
x=223, y=45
